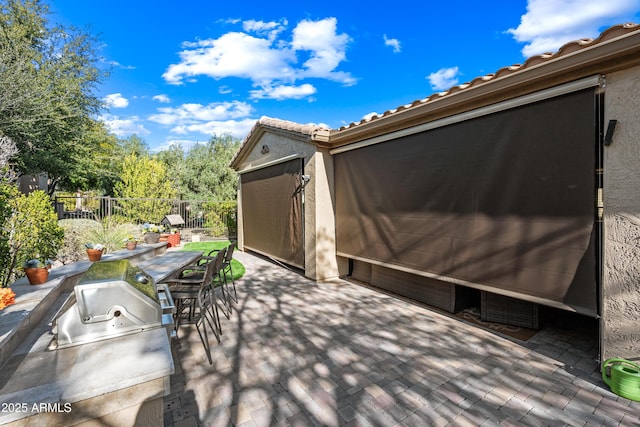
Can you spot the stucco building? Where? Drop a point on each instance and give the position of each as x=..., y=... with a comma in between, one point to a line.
x=518, y=189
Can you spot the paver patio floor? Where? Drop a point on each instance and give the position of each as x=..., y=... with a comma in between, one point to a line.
x=299, y=353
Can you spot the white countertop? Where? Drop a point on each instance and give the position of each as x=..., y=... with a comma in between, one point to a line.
x=34, y=374
x=72, y=374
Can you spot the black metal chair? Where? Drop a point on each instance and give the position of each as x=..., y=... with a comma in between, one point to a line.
x=192, y=291
x=227, y=268
x=219, y=281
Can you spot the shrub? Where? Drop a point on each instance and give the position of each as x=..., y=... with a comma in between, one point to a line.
x=220, y=218
x=110, y=234
x=79, y=232
x=76, y=234
x=32, y=231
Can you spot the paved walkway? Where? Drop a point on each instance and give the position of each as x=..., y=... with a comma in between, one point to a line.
x=300, y=353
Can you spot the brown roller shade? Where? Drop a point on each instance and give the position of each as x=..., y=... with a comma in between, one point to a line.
x=272, y=211
x=504, y=201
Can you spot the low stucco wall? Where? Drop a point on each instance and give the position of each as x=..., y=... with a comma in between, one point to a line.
x=620, y=331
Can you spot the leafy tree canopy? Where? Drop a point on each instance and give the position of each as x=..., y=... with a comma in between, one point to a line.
x=144, y=177
x=206, y=173
x=48, y=77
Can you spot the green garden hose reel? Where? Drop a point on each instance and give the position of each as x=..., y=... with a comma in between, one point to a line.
x=623, y=377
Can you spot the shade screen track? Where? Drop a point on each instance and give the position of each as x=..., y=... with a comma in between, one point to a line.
x=272, y=211
x=503, y=201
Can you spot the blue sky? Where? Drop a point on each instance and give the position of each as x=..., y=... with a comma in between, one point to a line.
x=181, y=72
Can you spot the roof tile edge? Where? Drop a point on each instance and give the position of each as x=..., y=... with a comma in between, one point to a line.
x=533, y=61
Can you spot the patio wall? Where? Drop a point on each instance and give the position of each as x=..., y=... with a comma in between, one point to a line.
x=621, y=276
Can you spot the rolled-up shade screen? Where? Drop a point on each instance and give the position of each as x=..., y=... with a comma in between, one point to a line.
x=503, y=201
x=272, y=211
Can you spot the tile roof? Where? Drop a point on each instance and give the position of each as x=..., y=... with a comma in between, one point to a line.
x=313, y=133
x=478, y=88
x=305, y=129
x=534, y=61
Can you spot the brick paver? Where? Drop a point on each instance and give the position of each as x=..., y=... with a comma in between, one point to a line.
x=299, y=353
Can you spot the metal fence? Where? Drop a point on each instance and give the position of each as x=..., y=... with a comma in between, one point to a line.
x=217, y=218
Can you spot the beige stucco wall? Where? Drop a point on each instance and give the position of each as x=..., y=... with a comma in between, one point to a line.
x=280, y=145
x=319, y=215
x=320, y=231
x=620, y=324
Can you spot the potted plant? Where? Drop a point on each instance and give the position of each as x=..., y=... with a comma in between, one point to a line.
x=36, y=271
x=151, y=232
x=94, y=251
x=130, y=242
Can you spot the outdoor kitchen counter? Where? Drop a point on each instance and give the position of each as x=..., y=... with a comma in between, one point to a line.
x=118, y=381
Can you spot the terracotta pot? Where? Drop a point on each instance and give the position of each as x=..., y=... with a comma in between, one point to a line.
x=173, y=239
x=37, y=275
x=132, y=245
x=94, y=254
x=164, y=237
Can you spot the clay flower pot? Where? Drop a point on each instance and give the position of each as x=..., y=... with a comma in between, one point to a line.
x=132, y=245
x=94, y=254
x=37, y=275
x=173, y=240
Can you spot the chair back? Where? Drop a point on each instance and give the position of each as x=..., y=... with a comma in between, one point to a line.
x=230, y=249
x=218, y=261
x=209, y=273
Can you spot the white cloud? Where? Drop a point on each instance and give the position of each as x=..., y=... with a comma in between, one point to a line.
x=444, y=78
x=270, y=29
x=116, y=100
x=284, y=92
x=232, y=55
x=212, y=119
x=326, y=48
x=267, y=58
x=119, y=65
x=162, y=98
x=394, y=43
x=198, y=113
x=236, y=128
x=549, y=24
x=122, y=127
x=185, y=144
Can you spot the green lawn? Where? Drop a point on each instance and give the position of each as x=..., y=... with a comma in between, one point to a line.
x=206, y=247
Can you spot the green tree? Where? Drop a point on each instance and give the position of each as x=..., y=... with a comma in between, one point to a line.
x=173, y=159
x=144, y=178
x=133, y=145
x=207, y=174
x=97, y=162
x=48, y=77
x=8, y=192
x=8, y=149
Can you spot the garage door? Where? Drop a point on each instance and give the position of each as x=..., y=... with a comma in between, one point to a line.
x=501, y=202
x=272, y=211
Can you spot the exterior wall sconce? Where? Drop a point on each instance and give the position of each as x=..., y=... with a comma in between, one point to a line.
x=608, y=137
